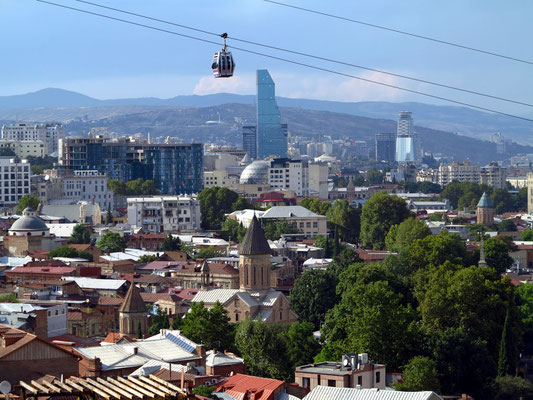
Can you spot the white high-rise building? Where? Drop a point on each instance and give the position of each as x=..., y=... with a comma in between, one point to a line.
x=289, y=174
x=14, y=179
x=48, y=133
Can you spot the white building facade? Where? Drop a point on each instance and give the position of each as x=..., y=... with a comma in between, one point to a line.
x=25, y=148
x=14, y=179
x=88, y=185
x=289, y=174
x=162, y=214
x=48, y=133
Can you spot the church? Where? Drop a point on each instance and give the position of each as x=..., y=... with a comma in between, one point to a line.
x=255, y=297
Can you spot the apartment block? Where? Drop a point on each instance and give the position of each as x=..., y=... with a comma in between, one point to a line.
x=25, y=148
x=48, y=133
x=14, y=179
x=162, y=214
x=289, y=174
x=175, y=168
x=460, y=172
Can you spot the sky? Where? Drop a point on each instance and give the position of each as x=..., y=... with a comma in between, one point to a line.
x=46, y=46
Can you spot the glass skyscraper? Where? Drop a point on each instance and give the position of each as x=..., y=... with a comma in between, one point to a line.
x=407, y=145
x=271, y=137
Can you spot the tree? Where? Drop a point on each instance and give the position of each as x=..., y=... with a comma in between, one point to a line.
x=139, y=330
x=374, y=176
x=108, y=216
x=402, y=235
x=302, y=346
x=464, y=364
x=275, y=228
x=313, y=295
x=346, y=219
x=85, y=255
x=380, y=212
x=506, y=358
x=111, y=242
x=513, y=387
x=420, y=374
x=208, y=252
x=507, y=225
x=208, y=326
x=497, y=254
x=28, y=200
x=8, y=298
x=214, y=203
x=527, y=235
x=204, y=391
x=503, y=201
x=160, y=321
x=236, y=230
x=171, y=243
x=315, y=205
x=146, y=258
x=80, y=235
x=63, y=251
x=524, y=300
x=263, y=349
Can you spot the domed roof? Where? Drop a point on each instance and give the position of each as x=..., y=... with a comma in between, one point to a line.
x=29, y=222
x=256, y=173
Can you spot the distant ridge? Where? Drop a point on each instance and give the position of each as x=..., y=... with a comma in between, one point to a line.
x=461, y=120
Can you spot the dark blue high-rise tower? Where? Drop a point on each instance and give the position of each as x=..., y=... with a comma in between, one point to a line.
x=271, y=137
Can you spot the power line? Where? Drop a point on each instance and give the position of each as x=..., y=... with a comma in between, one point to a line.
x=401, y=32
x=289, y=61
x=314, y=56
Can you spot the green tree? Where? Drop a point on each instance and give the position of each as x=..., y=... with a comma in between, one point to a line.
x=263, y=349
x=402, y=235
x=148, y=188
x=171, y=243
x=497, y=254
x=80, y=235
x=160, y=321
x=301, y=345
x=374, y=176
x=208, y=252
x=214, y=203
x=63, y=251
x=28, y=200
x=346, y=219
x=507, y=225
x=524, y=300
x=241, y=204
x=513, y=387
x=109, y=216
x=275, y=228
x=208, y=326
x=503, y=201
x=464, y=364
x=315, y=205
x=236, y=230
x=139, y=330
x=204, y=391
x=146, y=258
x=420, y=374
x=507, y=356
x=380, y=212
x=118, y=187
x=111, y=242
x=313, y=295
x=527, y=235
x=86, y=255
x=8, y=298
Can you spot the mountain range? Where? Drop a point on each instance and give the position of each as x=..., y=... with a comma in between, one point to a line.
x=218, y=119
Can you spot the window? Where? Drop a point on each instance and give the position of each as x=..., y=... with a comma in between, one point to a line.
x=306, y=382
x=331, y=382
x=236, y=317
x=360, y=380
x=378, y=376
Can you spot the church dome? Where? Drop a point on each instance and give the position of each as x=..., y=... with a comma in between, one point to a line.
x=29, y=222
x=255, y=173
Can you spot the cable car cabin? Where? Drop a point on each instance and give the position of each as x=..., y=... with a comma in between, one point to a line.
x=223, y=65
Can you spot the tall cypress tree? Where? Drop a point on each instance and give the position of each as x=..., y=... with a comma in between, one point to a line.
x=336, y=245
x=506, y=364
x=139, y=330
x=327, y=249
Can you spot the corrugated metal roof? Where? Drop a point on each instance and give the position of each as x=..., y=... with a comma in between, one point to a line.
x=288, y=212
x=219, y=359
x=286, y=396
x=337, y=393
x=116, y=356
x=94, y=283
x=214, y=295
x=270, y=298
x=247, y=299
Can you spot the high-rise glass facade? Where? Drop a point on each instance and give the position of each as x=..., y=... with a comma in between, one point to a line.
x=407, y=144
x=271, y=137
x=385, y=147
x=249, y=140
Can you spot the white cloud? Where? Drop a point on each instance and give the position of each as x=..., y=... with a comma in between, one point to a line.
x=238, y=84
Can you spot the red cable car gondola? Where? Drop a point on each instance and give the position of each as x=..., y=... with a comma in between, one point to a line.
x=223, y=64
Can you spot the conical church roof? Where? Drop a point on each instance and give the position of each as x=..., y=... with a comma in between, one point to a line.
x=133, y=302
x=485, y=201
x=254, y=241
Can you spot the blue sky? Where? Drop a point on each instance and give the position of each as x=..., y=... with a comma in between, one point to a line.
x=45, y=46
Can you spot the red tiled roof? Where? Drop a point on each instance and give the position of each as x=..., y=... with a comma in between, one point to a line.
x=109, y=301
x=80, y=247
x=162, y=265
x=153, y=297
x=76, y=340
x=260, y=388
x=186, y=294
x=113, y=337
x=50, y=269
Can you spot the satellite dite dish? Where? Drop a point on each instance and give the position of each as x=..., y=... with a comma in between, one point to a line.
x=345, y=362
x=5, y=387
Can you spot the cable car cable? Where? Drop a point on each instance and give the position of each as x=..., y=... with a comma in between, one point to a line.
x=315, y=56
x=290, y=61
x=402, y=32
